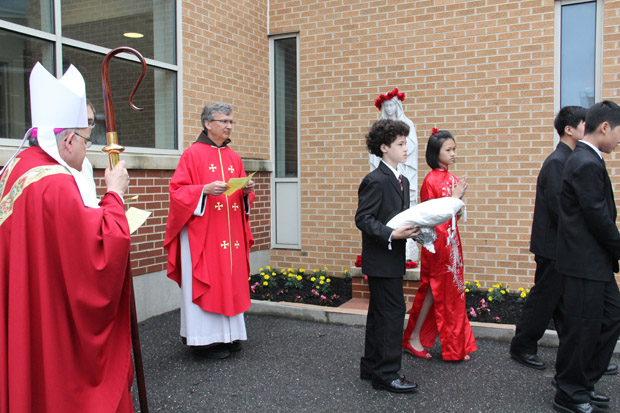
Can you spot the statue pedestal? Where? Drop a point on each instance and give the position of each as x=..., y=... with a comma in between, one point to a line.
x=411, y=282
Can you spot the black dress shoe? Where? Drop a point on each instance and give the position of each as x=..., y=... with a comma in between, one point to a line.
x=400, y=385
x=529, y=360
x=560, y=406
x=599, y=400
x=235, y=346
x=218, y=352
x=611, y=369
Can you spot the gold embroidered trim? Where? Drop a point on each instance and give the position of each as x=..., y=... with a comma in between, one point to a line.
x=33, y=175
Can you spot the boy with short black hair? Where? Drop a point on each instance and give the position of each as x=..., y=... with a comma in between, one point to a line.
x=383, y=194
x=588, y=250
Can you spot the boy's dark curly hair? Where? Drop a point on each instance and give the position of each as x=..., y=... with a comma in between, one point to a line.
x=384, y=132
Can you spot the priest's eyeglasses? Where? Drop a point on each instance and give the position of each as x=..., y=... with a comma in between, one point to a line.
x=89, y=142
x=224, y=121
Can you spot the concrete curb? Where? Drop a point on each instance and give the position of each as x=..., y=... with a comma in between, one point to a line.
x=351, y=317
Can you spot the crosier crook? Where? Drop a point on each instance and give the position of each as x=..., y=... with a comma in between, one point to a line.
x=113, y=149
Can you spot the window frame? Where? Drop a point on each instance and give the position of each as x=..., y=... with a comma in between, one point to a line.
x=139, y=157
x=558, y=51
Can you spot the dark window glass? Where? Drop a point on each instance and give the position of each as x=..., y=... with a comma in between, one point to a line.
x=107, y=23
x=155, y=126
x=578, y=59
x=18, y=56
x=285, y=102
x=36, y=14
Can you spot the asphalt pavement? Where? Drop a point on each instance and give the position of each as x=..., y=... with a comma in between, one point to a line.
x=295, y=365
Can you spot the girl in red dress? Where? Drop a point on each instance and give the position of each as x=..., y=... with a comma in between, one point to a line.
x=439, y=304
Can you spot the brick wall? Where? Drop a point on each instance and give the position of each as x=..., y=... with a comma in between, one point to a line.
x=482, y=69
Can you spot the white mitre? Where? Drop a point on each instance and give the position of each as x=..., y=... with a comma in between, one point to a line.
x=60, y=104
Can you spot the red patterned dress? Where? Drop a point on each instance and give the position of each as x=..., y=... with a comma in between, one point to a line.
x=443, y=273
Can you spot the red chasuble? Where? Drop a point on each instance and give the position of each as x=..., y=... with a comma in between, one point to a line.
x=65, y=340
x=443, y=272
x=220, y=240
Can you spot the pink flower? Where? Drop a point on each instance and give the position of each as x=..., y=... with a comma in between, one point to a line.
x=472, y=312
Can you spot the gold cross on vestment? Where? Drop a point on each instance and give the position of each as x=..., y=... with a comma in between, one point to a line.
x=224, y=245
x=231, y=169
x=213, y=168
x=235, y=206
x=237, y=244
x=219, y=206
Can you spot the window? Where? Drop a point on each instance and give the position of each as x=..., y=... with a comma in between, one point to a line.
x=88, y=29
x=286, y=226
x=578, y=42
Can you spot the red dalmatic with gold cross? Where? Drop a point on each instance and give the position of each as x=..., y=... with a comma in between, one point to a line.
x=220, y=239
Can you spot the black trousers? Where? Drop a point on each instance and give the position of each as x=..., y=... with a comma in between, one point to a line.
x=539, y=307
x=590, y=318
x=384, y=329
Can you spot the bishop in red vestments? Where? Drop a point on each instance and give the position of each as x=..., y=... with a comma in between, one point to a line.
x=208, y=238
x=65, y=340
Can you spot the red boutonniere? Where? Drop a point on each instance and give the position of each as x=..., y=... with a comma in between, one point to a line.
x=358, y=261
x=410, y=264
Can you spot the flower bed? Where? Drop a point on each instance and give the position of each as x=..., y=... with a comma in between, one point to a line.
x=315, y=287
x=496, y=304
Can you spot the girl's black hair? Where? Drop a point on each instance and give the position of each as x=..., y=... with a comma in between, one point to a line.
x=435, y=142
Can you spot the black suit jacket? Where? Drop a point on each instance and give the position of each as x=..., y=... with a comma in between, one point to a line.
x=588, y=239
x=547, y=204
x=379, y=199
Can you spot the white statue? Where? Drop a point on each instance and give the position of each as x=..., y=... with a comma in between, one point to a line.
x=392, y=108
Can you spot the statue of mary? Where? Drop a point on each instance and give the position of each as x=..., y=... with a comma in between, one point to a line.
x=391, y=107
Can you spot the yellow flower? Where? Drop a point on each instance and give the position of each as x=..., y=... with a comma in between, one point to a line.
x=329, y=280
x=503, y=292
x=291, y=275
x=322, y=277
x=268, y=268
x=273, y=273
x=262, y=273
x=467, y=290
x=523, y=295
x=527, y=290
x=260, y=269
x=520, y=288
x=265, y=283
x=302, y=270
x=321, y=282
x=507, y=290
x=290, y=270
x=299, y=277
x=266, y=277
x=313, y=279
x=325, y=268
x=315, y=270
x=490, y=290
x=490, y=298
x=249, y=278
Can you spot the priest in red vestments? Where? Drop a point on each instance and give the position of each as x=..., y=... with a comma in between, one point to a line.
x=208, y=238
x=65, y=340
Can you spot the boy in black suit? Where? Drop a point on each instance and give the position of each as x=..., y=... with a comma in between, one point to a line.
x=544, y=297
x=588, y=250
x=383, y=194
